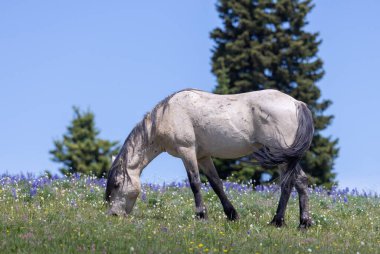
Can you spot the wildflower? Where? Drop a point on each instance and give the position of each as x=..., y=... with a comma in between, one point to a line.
x=200, y=245
x=33, y=191
x=14, y=194
x=143, y=196
x=73, y=203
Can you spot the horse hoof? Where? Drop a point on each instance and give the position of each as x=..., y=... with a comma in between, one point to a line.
x=111, y=213
x=232, y=215
x=117, y=214
x=278, y=222
x=201, y=216
x=305, y=223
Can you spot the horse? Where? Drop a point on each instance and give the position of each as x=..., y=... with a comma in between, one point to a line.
x=269, y=126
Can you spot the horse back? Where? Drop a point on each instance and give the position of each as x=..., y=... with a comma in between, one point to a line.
x=228, y=126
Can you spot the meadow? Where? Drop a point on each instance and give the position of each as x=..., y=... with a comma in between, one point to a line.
x=68, y=215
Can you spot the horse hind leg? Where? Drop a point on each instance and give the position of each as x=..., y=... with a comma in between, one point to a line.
x=209, y=170
x=189, y=159
x=287, y=183
x=301, y=187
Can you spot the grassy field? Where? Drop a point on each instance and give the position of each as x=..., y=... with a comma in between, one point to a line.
x=67, y=215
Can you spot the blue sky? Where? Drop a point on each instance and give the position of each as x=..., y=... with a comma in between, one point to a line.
x=119, y=58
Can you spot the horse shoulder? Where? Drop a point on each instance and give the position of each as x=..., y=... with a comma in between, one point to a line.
x=174, y=127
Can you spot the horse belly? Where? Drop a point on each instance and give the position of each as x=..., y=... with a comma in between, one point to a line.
x=229, y=150
x=226, y=142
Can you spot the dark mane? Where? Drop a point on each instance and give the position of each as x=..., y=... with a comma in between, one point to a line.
x=139, y=133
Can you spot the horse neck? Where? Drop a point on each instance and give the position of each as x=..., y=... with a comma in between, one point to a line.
x=140, y=152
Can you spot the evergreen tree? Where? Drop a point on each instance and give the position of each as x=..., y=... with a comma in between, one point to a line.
x=81, y=150
x=263, y=44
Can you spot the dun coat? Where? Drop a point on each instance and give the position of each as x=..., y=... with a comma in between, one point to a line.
x=272, y=127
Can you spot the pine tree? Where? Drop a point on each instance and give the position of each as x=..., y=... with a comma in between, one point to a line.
x=81, y=150
x=263, y=44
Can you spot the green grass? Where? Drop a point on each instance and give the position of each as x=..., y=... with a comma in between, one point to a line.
x=68, y=216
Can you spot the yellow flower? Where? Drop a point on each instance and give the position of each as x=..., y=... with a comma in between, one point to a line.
x=200, y=245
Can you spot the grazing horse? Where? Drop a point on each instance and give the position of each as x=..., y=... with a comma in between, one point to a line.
x=269, y=126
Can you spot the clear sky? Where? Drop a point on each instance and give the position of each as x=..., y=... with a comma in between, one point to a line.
x=119, y=58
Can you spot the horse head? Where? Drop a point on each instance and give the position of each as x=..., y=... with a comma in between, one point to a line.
x=122, y=189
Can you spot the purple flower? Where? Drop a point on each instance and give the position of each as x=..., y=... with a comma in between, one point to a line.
x=143, y=196
x=14, y=194
x=76, y=175
x=73, y=203
x=32, y=191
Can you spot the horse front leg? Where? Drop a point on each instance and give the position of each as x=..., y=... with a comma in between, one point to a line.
x=286, y=188
x=209, y=170
x=301, y=187
x=190, y=161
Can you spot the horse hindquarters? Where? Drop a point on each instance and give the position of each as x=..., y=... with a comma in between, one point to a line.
x=292, y=173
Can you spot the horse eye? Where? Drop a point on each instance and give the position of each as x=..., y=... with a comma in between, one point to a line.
x=116, y=185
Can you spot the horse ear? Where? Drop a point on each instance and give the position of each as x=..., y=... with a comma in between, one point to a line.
x=113, y=157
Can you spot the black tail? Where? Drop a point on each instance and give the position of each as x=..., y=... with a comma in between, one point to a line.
x=273, y=156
